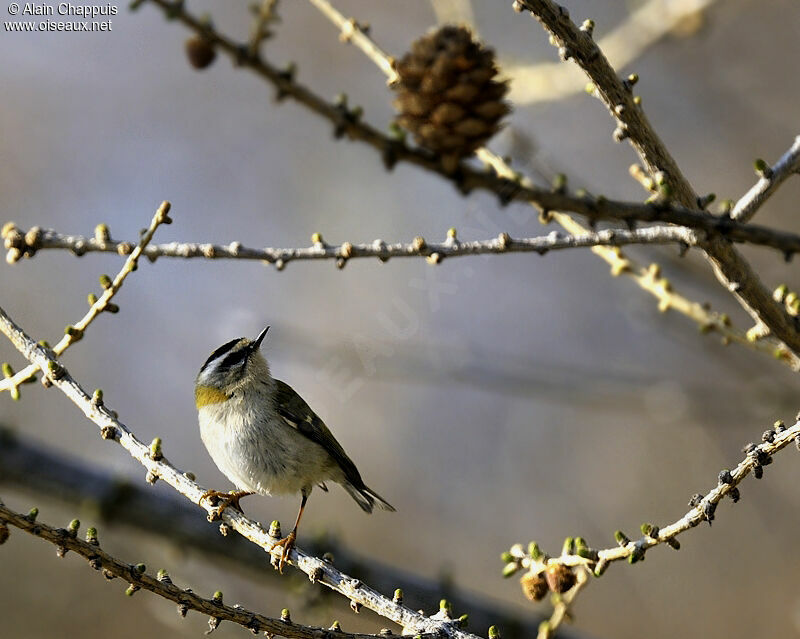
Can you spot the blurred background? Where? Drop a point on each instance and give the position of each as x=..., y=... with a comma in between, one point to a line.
x=492, y=400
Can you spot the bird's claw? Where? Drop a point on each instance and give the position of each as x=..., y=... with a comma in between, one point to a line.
x=286, y=544
x=221, y=500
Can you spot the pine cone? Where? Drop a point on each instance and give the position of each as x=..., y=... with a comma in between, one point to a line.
x=448, y=94
x=200, y=52
x=559, y=577
x=534, y=585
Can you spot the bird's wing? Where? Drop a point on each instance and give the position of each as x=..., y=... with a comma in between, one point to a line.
x=298, y=415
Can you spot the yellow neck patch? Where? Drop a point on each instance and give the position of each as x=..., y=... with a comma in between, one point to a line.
x=205, y=395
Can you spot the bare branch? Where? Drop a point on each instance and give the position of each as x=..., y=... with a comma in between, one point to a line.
x=731, y=269
x=650, y=280
x=771, y=179
x=617, y=96
x=703, y=509
x=75, y=332
x=356, y=34
x=162, y=585
x=605, y=243
x=593, y=208
x=266, y=15
x=544, y=573
x=159, y=468
x=435, y=252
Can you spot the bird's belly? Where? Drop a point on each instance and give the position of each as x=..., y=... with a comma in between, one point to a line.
x=259, y=459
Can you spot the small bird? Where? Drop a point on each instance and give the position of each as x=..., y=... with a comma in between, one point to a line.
x=264, y=437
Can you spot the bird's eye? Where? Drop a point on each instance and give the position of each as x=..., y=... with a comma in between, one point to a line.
x=234, y=359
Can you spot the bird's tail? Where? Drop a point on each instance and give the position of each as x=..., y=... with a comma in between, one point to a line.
x=366, y=498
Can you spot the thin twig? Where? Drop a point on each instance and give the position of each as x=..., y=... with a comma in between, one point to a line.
x=265, y=15
x=579, y=45
x=75, y=332
x=356, y=34
x=594, y=209
x=158, y=467
x=162, y=585
x=771, y=179
x=605, y=243
x=703, y=508
x=434, y=251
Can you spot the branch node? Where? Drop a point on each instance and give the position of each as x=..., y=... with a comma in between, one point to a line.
x=762, y=169
x=630, y=81
x=315, y=574
x=109, y=432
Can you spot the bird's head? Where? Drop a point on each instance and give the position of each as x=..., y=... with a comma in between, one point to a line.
x=233, y=365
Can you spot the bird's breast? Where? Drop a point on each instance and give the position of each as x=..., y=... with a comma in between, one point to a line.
x=256, y=450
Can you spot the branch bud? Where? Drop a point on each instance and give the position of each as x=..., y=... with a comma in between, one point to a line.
x=155, y=450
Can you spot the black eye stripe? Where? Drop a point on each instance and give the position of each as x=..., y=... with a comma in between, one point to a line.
x=232, y=359
x=220, y=351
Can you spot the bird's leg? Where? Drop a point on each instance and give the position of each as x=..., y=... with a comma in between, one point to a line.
x=287, y=543
x=224, y=500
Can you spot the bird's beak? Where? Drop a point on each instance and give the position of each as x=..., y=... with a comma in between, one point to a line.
x=260, y=338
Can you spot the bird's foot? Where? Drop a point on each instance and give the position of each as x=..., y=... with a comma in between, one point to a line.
x=221, y=500
x=287, y=543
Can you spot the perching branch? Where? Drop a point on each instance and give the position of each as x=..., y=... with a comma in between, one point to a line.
x=26, y=243
x=771, y=179
x=158, y=467
x=66, y=539
x=731, y=269
x=175, y=521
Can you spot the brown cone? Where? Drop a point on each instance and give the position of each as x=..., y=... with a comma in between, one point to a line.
x=448, y=94
x=559, y=577
x=200, y=52
x=534, y=586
